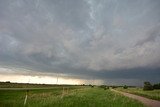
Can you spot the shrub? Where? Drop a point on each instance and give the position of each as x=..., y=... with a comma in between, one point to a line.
x=125, y=87
x=147, y=86
x=102, y=86
x=105, y=88
x=156, y=86
x=114, y=87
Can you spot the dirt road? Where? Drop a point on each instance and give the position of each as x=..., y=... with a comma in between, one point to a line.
x=145, y=101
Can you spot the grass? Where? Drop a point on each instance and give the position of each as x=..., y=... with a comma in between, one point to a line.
x=73, y=96
x=154, y=94
x=27, y=85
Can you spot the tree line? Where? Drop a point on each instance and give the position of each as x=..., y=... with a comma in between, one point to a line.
x=149, y=86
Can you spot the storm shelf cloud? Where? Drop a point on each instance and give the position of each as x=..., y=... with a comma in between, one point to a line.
x=105, y=40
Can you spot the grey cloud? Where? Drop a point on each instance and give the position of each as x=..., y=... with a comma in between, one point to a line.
x=152, y=34
x=83, y=38
x=72, y=12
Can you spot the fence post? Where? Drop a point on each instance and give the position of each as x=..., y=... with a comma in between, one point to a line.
x=25, y=100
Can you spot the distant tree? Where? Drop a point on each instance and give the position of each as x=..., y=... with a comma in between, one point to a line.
x=125, y=87
x=104, y=87
x=156, y=86
x=147, y=86
x=114, y=87
x=8, y=82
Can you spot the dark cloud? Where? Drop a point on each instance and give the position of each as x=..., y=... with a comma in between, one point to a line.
x=83, y=39
x=152, y=36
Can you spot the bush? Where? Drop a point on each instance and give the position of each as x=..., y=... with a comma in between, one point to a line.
x=125, y=87
x=156, y=86
x=104, y=87
x=114, y=87
x=147, y=86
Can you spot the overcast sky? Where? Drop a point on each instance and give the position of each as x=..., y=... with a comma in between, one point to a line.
x=111, y=41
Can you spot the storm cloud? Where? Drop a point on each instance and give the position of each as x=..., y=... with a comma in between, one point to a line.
x=104, y=39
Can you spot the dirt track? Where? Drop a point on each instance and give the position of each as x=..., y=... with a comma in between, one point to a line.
x=145, y=101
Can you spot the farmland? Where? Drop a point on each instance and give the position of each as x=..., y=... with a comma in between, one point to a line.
x=65, y=96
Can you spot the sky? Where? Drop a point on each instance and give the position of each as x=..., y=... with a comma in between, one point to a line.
x=113, y=42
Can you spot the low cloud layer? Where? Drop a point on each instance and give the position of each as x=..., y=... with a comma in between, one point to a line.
x=82, y=38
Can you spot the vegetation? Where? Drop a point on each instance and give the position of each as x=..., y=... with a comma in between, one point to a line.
x=156, y=86
x=104, y=87
x=114, y=87
x=125, y=87
x=153, y=94
x=8, y=84
x=147, y=86
x=71, y=96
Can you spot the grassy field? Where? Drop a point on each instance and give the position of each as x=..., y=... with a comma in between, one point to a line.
x=73, y=96
x=25, y=85
x=154, y=94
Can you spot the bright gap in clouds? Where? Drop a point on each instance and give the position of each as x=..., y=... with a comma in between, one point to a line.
x=13, y=75
x=22, y=76
x=38, y=79
x=46, y=80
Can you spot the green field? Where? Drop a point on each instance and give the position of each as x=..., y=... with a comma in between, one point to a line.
x=25, y=85
x=154, y=94
x=71, y=96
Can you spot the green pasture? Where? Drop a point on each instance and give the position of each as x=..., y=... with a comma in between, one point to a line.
x=71, y=96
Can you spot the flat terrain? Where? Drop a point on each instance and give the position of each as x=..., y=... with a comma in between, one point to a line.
x=154, y=94
x=26, y=85
x=66, y=96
